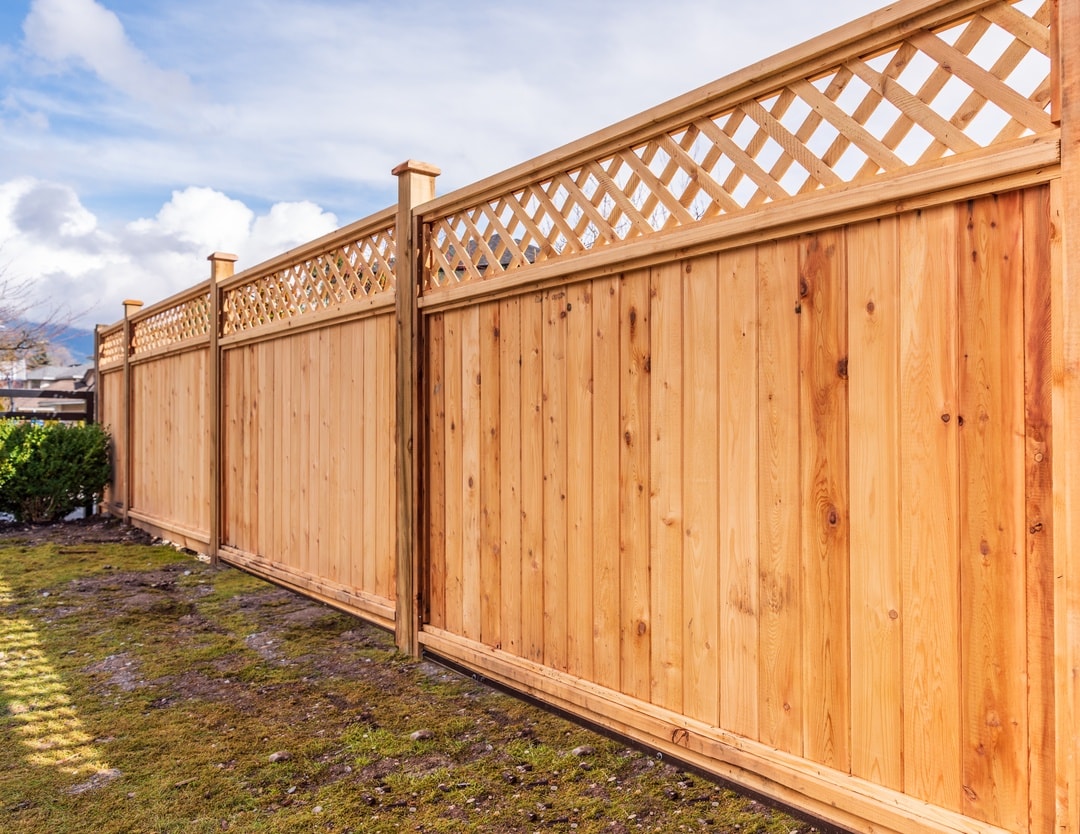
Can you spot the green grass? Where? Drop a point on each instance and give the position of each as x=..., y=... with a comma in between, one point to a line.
x=143, y=691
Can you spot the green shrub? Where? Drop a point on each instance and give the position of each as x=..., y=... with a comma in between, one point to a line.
x=46, y=471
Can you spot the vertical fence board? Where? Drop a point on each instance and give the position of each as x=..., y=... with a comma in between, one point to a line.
x=634, y=354
x=876, y=510
x=607, y=444
x=737, y=317
x=470, y=471
x=490, y=477
x=1038, y=521
x=992, y=544
x=333, y=465
x=321, y=404
x=302, y=420
x=510, y=441
x=824, y=438
x=579, y=455
x=374, y=493
x=452, y=402
x=344, y=416
x=320, y=451
x=665, y=486
x=780, y=633
x=230, y=436
x=435, y=484
x=386, y=447
x=930, y=499
x=553, y=411
x=291, y=395
x=532, y=478
x=701, y=485
x=267, y=485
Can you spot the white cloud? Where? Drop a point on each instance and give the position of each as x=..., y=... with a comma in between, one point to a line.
x=86, y=33
x=49, y=238
x=199, y=216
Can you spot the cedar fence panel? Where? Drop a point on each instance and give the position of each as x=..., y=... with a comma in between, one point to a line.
x=745, y=427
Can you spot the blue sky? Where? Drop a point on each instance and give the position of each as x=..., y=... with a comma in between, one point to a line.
x=138, y=136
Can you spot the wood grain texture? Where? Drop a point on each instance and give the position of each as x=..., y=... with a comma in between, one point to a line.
x=490, y=477
x=992, y=541
x=665, y=509
x=607, y=450
x=435, y=483
x=877, y=706
x=384, y=542
x=780, y=686
x=1039, y=513
x=454, y=466
x=739, y=574
x=532, y=477
x=825, y=522
x=553, y=414
x=635, y=621
x=581, y=557
x=930, y=498
x=701, y=485
x=510, y=444
x=469, y=484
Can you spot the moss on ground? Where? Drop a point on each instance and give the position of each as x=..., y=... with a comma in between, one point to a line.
x=142, y=690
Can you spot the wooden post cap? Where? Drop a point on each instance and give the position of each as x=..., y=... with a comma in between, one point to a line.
x=131, y=305
x=412, y=166
x=221, y=265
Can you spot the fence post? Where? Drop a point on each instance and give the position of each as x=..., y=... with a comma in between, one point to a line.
x=131, y=307
x=1065, y=208
x=221, y=268
x=416, y=185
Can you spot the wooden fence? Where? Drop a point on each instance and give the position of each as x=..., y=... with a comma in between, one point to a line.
x=748, y=427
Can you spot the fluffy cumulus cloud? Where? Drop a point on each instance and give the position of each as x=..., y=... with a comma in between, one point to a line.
x=49, y=239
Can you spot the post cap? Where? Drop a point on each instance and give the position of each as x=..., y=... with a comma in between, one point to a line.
x=413, y=166
x=222, y=256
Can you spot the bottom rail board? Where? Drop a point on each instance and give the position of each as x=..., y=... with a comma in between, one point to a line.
x=196, y=540
x=374, y=609
x=835, y=797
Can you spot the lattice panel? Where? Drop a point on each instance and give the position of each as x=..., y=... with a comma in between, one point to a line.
x=111, y=347
x=937, y=94
x=354, y=271
x=187, y=320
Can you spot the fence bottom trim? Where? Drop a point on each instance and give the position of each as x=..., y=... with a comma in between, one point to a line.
x=379, y=611
x=197, y=540
x=833, y=796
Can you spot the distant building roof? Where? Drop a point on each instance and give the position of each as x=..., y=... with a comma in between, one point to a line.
x=52, y=373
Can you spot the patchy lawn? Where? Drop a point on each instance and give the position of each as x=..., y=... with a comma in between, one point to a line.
x=143, y=691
